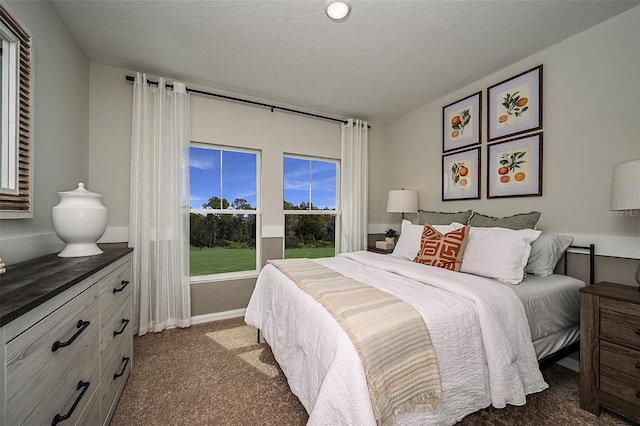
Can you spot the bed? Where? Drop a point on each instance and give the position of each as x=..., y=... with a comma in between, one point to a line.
x=487, y=336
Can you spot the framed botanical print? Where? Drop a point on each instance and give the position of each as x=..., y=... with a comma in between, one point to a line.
x=461, y=175
x=461, y=123
x=515, y=167
x=515, y=105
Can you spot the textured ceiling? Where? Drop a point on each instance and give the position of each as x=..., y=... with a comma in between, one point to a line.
x=388, y=58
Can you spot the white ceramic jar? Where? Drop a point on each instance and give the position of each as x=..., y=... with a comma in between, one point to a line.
x=80, y=219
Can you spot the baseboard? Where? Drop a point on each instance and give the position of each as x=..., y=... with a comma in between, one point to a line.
x=217, y=316
x=570, y=363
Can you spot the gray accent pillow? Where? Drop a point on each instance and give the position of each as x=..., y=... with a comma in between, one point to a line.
x=515, y=222
x=443, y=218
x=546, y=251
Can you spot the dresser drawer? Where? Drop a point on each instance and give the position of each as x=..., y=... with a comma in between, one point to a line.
x=619, y=385
x=115, y=371
x=34, y=368
x=620, y=358
x=60, y=396
x=620, y=328
x=91, y=414
x=118, y=327
x=111, y=362
x=114, y=289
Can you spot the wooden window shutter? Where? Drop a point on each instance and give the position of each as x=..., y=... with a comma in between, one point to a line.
x=23, y=200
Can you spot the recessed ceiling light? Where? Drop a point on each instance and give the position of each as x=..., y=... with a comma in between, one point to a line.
x=338, y=10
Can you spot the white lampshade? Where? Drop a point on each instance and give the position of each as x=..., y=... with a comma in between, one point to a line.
x=625, y=186
x=402, y=201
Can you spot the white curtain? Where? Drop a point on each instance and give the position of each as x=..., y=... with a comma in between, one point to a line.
x=159, y=207
x=353, y=187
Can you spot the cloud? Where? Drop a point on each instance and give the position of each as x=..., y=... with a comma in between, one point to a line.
x=323, y=176
x=292, y=183
x=202, y=163
x=246, y=194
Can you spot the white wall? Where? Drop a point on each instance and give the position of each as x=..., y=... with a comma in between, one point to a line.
x=61, y=123
x=591, y=122
x=110, y=106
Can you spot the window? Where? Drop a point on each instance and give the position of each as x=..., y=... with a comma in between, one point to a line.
x=225, y=210
x=16, y=170
x=311, y=207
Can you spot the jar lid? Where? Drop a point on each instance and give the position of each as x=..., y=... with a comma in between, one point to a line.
x=81, y=192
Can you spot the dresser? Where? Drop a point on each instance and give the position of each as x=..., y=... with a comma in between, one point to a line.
x=66, y=335
x=610, y=349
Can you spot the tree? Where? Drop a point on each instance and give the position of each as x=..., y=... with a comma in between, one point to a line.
x=216, y=203
x=197, y=230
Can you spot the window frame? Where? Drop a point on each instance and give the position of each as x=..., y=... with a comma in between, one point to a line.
x=10, y=145
x=337, y=212
x=17, y=176
x=251, y=273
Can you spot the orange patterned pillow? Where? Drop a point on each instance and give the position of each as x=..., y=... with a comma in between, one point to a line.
x=444, y=251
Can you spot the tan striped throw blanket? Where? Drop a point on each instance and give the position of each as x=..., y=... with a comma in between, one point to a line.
x=389, y=335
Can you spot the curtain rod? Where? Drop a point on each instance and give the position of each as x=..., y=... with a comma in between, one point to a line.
x=246, y=101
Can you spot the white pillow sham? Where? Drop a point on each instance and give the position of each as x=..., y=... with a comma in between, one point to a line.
x=408, y=244
x=546, y=251
x=498, y=253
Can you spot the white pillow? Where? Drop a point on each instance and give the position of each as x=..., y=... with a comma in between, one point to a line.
x=408, y=244
x=546, y=251
x=498, y=253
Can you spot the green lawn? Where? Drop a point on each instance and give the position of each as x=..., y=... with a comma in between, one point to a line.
x=218, y=260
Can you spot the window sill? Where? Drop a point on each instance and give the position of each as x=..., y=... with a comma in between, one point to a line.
x=229, y=276
x=16, y=214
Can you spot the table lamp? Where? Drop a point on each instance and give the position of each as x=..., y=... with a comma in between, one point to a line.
x=402, y=201
x=625, y=191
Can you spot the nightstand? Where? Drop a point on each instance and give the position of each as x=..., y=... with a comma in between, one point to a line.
x=374, y=249
x=610, y=349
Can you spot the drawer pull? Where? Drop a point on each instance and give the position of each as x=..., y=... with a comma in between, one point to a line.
x=82, y=325
x=124, y=325
x=124, y=284
x=637, y=364
x=638, y=332
x=59, y=418
x=126, y=362
x=638, y=394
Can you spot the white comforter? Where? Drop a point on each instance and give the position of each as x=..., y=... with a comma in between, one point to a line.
x=478, y=328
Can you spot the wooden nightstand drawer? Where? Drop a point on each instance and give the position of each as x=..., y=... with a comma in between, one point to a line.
x=620, y=386
x=620, y=328
x=610, y=349
x=619, y=358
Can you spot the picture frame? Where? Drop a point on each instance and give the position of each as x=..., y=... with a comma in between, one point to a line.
x=514, y=106
x=461, y=175
x=514, y=167
x=462, y=123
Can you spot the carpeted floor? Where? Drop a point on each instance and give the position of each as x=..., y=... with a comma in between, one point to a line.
x=216, y=374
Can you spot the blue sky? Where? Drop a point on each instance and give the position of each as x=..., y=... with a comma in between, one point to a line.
x=320, y=176
x=239, y=178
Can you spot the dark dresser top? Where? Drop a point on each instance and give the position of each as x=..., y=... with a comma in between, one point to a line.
x=29, y=284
